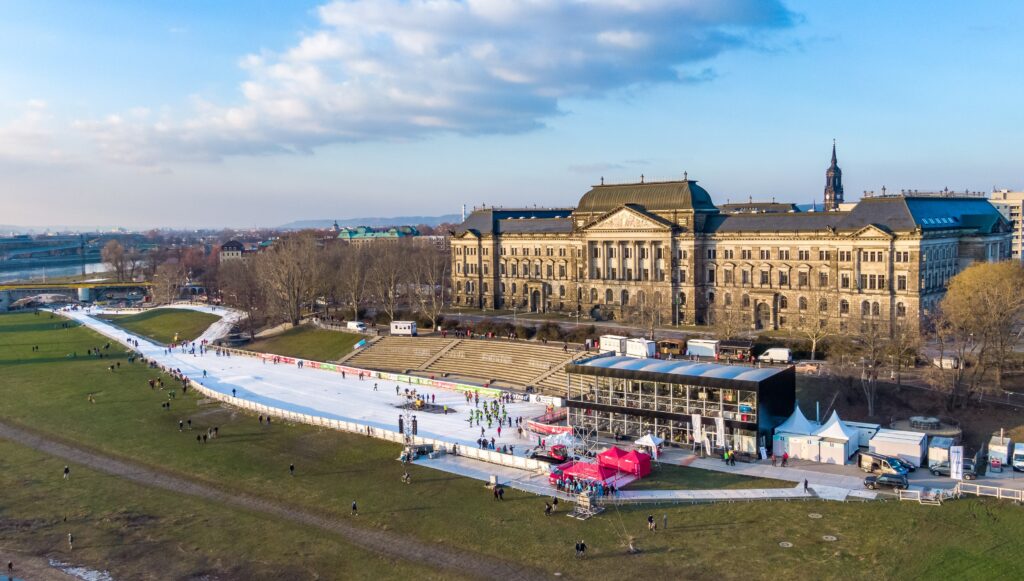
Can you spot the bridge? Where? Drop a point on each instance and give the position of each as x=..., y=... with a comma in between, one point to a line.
x=80, y=291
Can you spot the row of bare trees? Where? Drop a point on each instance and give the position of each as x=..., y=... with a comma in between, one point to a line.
x=300, y=274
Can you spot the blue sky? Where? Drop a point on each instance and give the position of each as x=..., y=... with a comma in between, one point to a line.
x=257, y=113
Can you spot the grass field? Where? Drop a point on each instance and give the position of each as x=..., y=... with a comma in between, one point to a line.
x=308, y=343
x=164, y=324
x=46, y=391
x=672, y=477
x=137, y=532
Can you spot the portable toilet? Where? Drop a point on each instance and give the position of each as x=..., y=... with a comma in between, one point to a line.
x=1000, y=448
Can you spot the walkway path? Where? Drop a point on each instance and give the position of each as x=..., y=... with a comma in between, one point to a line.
x=457, y=562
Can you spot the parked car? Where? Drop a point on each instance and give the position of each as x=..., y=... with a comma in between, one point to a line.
x=906, y=465
x=942, y=469
x=896, y=481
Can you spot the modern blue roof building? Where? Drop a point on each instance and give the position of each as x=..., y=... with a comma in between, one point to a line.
x=735, y=406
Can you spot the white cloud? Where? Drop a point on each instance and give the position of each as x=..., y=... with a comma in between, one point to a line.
x=395, y=69
x=31, y=137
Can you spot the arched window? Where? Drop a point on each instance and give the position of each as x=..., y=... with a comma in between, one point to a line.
x=502, y=288
x=865, y=309
x=901, y=310
x=513, y=288
x=561, y=291
x=682, y=298
x=593, y=295
x=783, y=302
x=802, y=303
x=608, y=296
x=625, y=297
x=458, y=287
x=711, y=298
x=746, y=301
x=875, y=309
x=823, y=306
x=727, y=297
x=844, y=307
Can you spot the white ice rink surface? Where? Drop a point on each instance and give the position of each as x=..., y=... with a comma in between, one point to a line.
x=319, y=393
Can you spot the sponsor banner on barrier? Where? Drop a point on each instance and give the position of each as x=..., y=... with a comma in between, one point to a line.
x=548, y=400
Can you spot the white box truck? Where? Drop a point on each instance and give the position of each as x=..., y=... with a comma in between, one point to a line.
x=642, y=348
x=357, y=326
x=406, y=328
x=702, y=348
x=612, y=344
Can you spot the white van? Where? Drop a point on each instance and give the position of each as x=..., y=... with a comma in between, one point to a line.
x=776, y=355
x=356, y=326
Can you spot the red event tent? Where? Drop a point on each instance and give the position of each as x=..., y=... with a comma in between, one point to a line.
x=585, y=471
x=611, y=457
x=636, y=463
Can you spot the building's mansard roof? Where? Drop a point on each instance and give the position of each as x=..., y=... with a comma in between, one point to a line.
x=367, y=233
x=232, y=245
x=652, y=196
x=891, y=214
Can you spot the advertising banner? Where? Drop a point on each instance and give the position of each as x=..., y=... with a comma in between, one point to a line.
x=720, y=431
x=956, y=462
x=696, y=430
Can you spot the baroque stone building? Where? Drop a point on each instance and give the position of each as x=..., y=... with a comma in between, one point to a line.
x=662, y=252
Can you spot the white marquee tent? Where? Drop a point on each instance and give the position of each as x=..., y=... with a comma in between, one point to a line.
x=796, y=437
x=838, y=441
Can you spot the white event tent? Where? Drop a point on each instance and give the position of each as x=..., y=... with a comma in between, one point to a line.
x=837, y=441
x=796, y=437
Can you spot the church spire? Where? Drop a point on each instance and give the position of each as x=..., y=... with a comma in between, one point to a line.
x=833, y=183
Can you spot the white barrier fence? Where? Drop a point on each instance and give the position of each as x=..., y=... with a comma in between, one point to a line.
x=366, y=430
x=973, y=489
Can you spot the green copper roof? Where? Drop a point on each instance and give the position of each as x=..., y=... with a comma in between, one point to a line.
x=653, y=197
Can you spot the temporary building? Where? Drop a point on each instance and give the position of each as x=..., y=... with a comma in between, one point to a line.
x=610, y=458
x=1000, y=448
x=909, y=446
x=636, y=463
x=867, y=431
x=938, y=449
x=838, y=441
x=795, y=437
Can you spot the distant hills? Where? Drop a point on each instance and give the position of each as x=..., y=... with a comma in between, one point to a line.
x=376, y=222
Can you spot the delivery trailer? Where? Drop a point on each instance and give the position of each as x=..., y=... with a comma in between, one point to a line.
x=702, y=348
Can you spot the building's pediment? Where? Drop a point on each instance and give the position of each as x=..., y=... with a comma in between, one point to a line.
x=871, y=231
x=626, y=219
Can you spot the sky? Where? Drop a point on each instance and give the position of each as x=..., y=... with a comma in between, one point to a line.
x=209, y=114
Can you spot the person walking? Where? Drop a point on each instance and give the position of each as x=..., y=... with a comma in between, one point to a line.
x=805, y=486
x=774, y=460
x=71, y=542
x=355, y=509
x=67, y=472
x=547, y=511
x=291, y=469
x=650, y=522
x=583, y=549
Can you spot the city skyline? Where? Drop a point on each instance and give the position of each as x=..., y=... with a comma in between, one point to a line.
x=261, y=114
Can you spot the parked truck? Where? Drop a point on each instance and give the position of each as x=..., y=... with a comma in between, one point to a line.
x=407, y=328
x=702, y=348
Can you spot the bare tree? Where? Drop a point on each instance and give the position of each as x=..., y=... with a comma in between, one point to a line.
x=240, y=286
x=351, y=276
x=904, y=346
x=430, y=270
x=816, y=320
x=167, y=282
x=289, y=270
x=114, y=255
x=388, y=274
x=729, y=319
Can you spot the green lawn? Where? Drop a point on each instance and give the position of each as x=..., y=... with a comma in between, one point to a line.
x=308, y=343
x=164, y=325
x=670, y=476
x=137, y=532
x=47, y=391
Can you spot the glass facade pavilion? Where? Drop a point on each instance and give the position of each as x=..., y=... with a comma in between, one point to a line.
x=630, y=397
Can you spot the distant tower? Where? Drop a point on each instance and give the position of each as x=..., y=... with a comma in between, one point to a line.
x=833, y=183
x=463, y=212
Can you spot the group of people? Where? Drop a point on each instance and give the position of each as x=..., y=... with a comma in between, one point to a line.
x=598, y=488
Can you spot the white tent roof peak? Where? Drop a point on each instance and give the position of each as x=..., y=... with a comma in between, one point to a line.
x=797, y=423
x=835, y=429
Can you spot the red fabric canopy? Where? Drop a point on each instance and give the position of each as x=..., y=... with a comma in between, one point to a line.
x=586, y=471
x=636, y=463
x=611, y=457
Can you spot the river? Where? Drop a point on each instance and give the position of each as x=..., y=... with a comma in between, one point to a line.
x=44, y=273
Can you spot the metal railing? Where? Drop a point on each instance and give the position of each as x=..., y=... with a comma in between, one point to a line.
x=965, y=488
